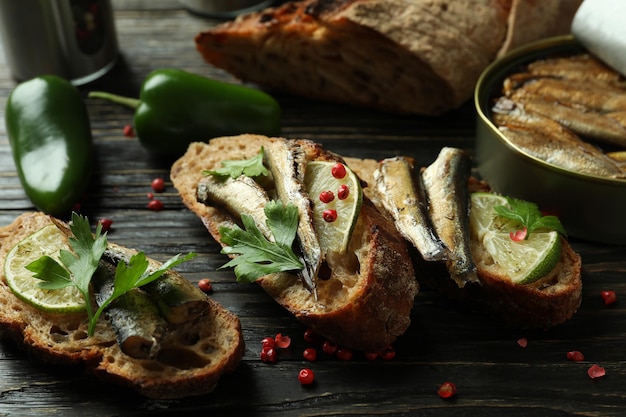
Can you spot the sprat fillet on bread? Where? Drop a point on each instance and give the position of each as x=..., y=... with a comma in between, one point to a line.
x=193, y=355
x=366, y=303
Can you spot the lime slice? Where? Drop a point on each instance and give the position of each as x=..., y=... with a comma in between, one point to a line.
x=337, y=196
x=483, y=217
x=522, y=261
x=47, y=241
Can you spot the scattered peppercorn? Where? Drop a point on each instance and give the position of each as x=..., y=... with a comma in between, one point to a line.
x=329, y=215
x=129, y=132
x=447, y=390
x=310, y=336
x=343, y=192
x=609, y=297
x=519, y=235
x=522, y=342
x=268, y=342
x=344, y=353
x=329, y=348
x=105, y=224
x=269, y=355
x=158, y=185
x=596, y=371
x=575, y=356
x=370, y=356
x=327, y=196
x=205, y=285
x=310, y=354
x=388, y=353
x=338, y=170
x=306, y=376
x=150, y=196
x=155, y=205
x=282, y=341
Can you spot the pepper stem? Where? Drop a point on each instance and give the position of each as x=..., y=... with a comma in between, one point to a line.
x=133, y=103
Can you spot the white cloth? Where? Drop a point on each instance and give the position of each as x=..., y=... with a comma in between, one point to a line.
x=600, y=26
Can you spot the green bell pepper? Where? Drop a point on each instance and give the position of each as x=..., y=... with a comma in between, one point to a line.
x=50, y=136
x=176, y=108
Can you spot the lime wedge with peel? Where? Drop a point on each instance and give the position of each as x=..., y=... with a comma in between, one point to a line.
x=523, y=261
x=47, y=241
x=337, y=196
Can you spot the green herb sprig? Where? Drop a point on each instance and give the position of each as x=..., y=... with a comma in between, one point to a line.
x=78, y=266
x=529, y=216
x=252, y=167
x=258, y=256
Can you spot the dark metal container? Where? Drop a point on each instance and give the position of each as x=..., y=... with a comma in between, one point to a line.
x=74, y=39
x=590, y=207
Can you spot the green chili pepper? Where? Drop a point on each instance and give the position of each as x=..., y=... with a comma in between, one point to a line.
x=50, y=136
x=176, y=108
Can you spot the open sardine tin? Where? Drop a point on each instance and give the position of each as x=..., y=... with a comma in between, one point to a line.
x=590, y=207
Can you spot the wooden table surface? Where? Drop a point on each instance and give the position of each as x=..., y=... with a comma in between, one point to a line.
x=446, y=342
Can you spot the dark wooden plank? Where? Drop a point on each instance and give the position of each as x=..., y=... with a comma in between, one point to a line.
x=446, y=341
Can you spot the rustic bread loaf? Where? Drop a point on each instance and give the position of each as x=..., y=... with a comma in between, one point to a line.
x=549, y=301
x=193, y=356
x=404, y=56
x=366, y=303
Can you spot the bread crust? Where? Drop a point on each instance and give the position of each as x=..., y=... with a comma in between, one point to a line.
x=402, y=56
x=182, y=369
x=545, y=303
x=366, y=303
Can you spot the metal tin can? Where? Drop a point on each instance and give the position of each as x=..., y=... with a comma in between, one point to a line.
x=590, y=207
x=74, y=39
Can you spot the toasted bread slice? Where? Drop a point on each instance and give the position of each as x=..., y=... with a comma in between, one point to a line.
x=394, y=55
x=366, y=302
x=193, y=356
x=547, y=302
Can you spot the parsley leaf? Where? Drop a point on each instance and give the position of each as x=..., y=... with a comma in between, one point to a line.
x=54, y=276
x=257, y=256
x=252, y=167
x=529, y=216
x=78, y=266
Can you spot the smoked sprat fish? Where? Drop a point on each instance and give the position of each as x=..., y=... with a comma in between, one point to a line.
x=587, y=108
x=178, y=300
x=548, y=140
x=287, y=163
x=579, y=67
x=553, y=106
x=403, y=196
x=237, y=195
x=590, y=95
x=138, y=325
x=446, y=181
x=581, y=121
